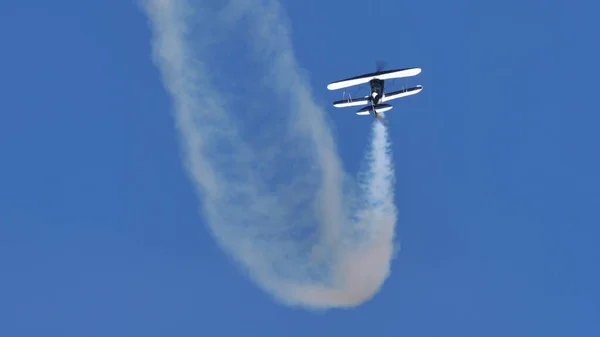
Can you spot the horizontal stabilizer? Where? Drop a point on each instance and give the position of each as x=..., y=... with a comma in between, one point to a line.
x=363, y=113
x=382, y=75
x=351, y=102
x=378, y=108
x=401, y=93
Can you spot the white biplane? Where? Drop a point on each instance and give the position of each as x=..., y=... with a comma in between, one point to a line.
x=375, y=101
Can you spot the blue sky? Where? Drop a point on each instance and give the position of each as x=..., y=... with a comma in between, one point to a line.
x=496, y=175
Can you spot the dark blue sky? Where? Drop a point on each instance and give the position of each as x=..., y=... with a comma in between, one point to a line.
x=496, y=160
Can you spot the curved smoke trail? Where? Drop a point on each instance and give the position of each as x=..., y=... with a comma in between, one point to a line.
x=273, y=190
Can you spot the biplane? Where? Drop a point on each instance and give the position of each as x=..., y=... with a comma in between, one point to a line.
x=377, y=98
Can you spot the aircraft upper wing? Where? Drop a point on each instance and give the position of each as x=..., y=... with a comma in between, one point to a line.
x=382, y=75
x=401, y=93
x=351, y=102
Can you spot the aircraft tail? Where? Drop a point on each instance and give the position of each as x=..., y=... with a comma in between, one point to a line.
x=379, y=108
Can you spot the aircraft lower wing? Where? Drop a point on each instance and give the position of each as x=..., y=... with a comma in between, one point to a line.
x=401, y=93
x=351, y=102
x=382, y=75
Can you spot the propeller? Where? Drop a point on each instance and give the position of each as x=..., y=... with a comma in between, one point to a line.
x=380, y=65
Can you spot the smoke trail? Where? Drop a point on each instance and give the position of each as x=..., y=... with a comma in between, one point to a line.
x=273, y=191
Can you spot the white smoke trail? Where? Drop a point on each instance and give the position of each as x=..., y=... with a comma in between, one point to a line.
x=272, y=188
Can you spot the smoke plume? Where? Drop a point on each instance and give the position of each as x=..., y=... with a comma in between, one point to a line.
x=261, y=156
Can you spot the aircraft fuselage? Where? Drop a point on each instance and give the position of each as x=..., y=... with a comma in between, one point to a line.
x=377, y=90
